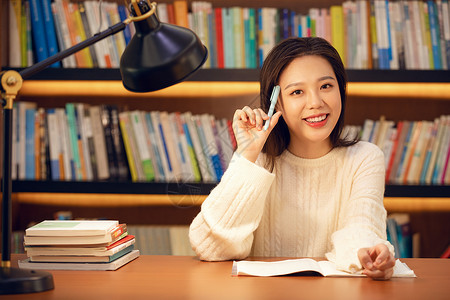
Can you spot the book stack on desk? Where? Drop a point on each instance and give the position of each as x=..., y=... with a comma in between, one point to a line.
x=78, y=245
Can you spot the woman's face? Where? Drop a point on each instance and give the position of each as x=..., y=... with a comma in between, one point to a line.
x=311, y=105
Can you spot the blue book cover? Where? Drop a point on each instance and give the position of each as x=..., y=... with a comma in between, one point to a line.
x=49, y=25
x=401, y=167
x=38, y=30
x=247, y=48
x=52, y=132
x=30, y=166
x=228, y=42
x=212, y=40
x=123, y=16
x=252, y=38
x=435, y=35
x=388, y=20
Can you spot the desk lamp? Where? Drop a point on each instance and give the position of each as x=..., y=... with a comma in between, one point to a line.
x=159, y=55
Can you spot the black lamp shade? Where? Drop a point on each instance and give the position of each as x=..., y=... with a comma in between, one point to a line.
x=160, y=55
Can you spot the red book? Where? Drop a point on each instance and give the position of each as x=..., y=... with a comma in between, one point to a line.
x=219, y=38
x=121, y=241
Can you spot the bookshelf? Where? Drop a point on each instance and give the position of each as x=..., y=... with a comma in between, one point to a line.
x=397, y=94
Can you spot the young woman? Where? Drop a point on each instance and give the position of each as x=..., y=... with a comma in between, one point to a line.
x=298, y=189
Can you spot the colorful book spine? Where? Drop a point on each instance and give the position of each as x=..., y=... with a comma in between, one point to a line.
x=50, y=31
x=38, y=30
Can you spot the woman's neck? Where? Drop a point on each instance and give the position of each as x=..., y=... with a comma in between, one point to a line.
x=310, y=150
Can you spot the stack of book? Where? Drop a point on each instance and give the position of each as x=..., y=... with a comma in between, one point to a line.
x=78, y=245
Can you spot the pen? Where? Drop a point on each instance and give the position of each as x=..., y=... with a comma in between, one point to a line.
x=273, y=102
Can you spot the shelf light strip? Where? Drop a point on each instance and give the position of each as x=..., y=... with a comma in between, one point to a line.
x=81, y=88
x=392, y=204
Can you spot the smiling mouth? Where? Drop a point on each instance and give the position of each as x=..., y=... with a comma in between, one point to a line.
x=316, y=119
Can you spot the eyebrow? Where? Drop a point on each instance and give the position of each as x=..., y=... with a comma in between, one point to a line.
x=320, y=79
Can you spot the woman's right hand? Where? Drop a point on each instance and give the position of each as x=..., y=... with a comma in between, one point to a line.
x=248, y=127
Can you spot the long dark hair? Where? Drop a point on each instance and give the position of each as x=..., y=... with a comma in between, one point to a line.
x=275, y=63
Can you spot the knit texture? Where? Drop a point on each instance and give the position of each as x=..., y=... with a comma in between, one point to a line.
x=325, y=207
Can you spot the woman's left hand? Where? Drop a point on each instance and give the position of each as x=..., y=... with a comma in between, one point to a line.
x=377, y=261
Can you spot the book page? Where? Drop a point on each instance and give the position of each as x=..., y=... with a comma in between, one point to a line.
x=329, y=269
x=275, y=268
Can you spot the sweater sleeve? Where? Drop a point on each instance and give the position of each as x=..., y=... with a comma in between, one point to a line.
x=231, y=213
x=363, y=216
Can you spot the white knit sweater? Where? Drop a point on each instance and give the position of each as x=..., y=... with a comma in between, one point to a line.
x=330, y=206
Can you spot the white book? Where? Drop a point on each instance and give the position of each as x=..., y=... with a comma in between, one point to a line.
x=170, y=141
x=189, y=164
x=111, y=266
x=419, y=35
x=198, y=147
x=59, y=10
x=292, y=266
x=161, y=12
x=367, y=129
x=106, y=22
x=54, y=143
x=181, y=149
x=71, y=228
x=101, y=47
x=101, y=155
x=394, y=65
x=64, y=138
x=408, y=37
x=142, y=144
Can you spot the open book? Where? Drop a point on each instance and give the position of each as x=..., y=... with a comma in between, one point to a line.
x=292, y=266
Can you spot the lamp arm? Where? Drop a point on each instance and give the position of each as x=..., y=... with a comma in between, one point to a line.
x=25, y=73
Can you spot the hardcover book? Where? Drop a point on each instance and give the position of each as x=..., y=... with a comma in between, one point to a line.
x=111, y=266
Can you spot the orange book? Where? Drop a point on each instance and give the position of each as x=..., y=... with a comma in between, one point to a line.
x=80, y=35
x=68, y=8
x=410, y=153
x=180, y=9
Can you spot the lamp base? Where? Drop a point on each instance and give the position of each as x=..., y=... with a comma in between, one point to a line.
x=22, y=281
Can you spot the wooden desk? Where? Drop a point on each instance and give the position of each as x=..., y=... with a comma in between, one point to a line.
x=181, y=277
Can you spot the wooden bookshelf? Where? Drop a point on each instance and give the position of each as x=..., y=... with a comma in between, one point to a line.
x=400, y=94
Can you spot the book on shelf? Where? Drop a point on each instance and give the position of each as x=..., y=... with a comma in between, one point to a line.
x=367, y=34
x=298, y=266
x=416, y=152
x=99, y=266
